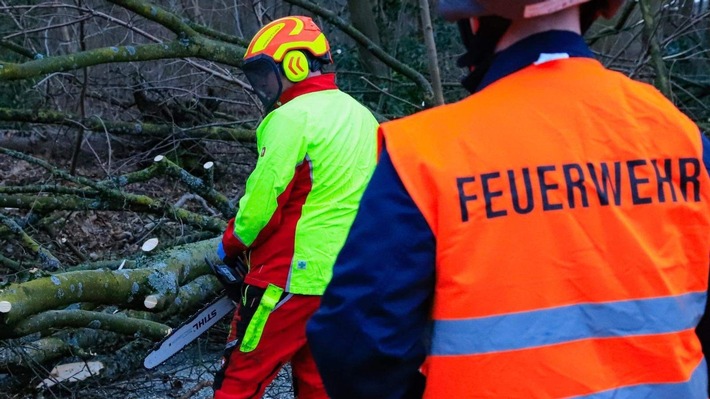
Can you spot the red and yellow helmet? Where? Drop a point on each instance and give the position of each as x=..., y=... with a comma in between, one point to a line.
x=285, y=34
x=290, y=46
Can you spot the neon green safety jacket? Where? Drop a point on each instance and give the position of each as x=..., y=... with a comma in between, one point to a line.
x=317, y=151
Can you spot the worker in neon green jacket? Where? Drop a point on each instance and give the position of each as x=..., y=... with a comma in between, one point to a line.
x=317, y=150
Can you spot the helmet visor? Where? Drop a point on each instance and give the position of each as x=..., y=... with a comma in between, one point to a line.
x=264, y=76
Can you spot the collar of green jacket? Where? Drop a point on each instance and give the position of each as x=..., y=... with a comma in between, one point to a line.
x=325, y=81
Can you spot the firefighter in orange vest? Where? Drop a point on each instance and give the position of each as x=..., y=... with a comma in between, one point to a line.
x=546, y=237
x=317, y=150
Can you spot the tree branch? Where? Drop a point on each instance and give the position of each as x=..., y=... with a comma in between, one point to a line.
x=159, y=15
x=170, y=270
x=96, y=124
x=98, y=320
x=432, y=57
x=18, y=49
x=198, y=186
x=46, y=258
x=651, y=38
x=378, y=52
x=204, y=222
x=105, y=55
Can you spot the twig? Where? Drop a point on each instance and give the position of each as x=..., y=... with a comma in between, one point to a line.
x=618, y=26
x=43, y=28
x=378, y=52
x=209, y=169
x=18, y=49
x=197, y=388
x=10, y=264
x=651, y=38
x=50, y=231
x=96, y=124
x=415, y=106
x=205, y=222
x=46, y=258
x=197, y=185
x=48, y=188
x=195, y=197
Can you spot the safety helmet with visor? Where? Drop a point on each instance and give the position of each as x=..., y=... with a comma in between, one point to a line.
x=291, y=47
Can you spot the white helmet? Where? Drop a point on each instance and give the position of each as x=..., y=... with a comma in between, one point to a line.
x=454, y=10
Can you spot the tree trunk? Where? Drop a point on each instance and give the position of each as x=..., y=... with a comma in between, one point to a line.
x=363, y=19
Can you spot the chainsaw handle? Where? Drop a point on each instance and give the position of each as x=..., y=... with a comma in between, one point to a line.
x=231, y=278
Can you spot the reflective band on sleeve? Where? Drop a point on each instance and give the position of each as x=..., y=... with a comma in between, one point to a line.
x=256, y=326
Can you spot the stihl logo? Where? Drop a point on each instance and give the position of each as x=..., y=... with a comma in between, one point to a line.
x=200, y=323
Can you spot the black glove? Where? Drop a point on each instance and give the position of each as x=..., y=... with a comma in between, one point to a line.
x=230, y=276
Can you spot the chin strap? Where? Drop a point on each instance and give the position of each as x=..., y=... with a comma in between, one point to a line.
x=480, y=37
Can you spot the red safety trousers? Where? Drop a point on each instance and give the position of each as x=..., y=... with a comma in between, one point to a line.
x=247, y=375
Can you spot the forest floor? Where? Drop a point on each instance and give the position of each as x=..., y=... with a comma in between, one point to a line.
x=187, y=375
x=90, y=236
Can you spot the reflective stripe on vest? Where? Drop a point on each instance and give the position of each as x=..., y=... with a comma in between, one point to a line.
x=697, y=383
x=573, y=229
x=563, y=324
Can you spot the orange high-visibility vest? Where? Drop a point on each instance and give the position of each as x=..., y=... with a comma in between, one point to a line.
x=570, y=209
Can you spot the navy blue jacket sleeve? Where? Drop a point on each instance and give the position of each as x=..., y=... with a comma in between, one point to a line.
x=369, y=336
x=703, y=329
x=706, y=151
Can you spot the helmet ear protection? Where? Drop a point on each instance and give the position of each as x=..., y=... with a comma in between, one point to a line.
x=296, y=65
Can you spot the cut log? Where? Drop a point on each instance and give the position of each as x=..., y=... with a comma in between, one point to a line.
x=161, y=273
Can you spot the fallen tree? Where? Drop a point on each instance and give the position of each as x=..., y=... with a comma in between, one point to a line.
x=107, y=311
x=88, y=312
x=122, y=121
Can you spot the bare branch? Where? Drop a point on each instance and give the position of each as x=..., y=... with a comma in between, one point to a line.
x=431, y=52
x=200, y=48
x=650, y=36
x=46, y=258
x=390, y=61
x=96, y=124
x=204, y=222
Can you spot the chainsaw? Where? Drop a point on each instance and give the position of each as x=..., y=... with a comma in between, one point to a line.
x=201, y=321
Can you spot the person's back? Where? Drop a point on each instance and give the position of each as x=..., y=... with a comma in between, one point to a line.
x=562, y=216
x=549, y=251
x=333, y=143
x=317, y=149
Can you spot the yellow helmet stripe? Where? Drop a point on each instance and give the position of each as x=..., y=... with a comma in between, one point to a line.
x=268, y=32
x=317, y=47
